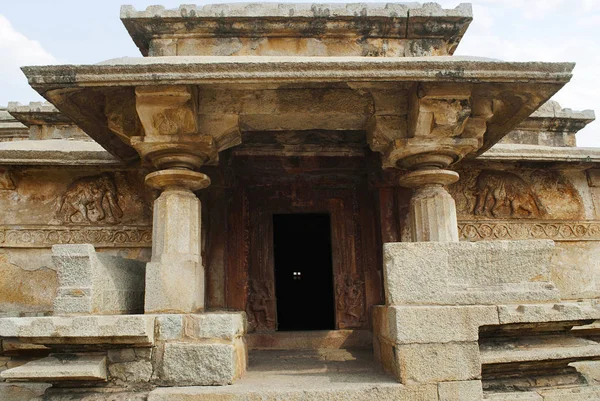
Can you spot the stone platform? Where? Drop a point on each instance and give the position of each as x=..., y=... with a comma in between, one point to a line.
x=331, y=374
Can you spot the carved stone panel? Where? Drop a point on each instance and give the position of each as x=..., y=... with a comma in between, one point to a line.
x=91, y=200
x=60, y=197
x=516, y=194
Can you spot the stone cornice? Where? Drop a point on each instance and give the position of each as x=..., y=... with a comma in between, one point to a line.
x=344, y=22
x=282, y=70
x=536, y=153
x=87, y=93
x=53, y=152
x=38, y=113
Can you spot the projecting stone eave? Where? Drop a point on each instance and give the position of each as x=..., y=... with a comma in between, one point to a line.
x=227, y=29
x=83, y=92
x=37, y=113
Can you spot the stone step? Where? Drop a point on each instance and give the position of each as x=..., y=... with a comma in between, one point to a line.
x=324, y=374
x=60, y=367
x=575, y=393
x=338, y=392
x=543, y=348
x=296, y=340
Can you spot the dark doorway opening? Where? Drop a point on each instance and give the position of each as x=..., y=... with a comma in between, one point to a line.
x=303, y=272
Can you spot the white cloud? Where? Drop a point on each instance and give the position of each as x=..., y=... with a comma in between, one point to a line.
x=18, y=50
x=503, y=29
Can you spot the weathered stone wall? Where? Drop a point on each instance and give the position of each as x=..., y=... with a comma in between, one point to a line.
x=46, y=206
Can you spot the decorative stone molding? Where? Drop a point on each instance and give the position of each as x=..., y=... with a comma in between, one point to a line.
x=19, y=236
x=485, y=230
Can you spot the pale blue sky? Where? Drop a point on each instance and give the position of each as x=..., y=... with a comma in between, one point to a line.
x=34, y=32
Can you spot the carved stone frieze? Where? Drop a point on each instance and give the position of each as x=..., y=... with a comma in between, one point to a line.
x=500, y=188
x=103, y=237
x=90, y=200
x=480, y=230
x=516, y=194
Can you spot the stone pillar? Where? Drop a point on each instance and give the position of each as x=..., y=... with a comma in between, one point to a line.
x=432, y=211
x=175, y=274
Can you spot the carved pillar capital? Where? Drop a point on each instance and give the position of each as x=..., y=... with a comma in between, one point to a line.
x=170, y=122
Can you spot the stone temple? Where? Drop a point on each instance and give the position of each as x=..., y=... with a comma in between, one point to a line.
x=298, y=202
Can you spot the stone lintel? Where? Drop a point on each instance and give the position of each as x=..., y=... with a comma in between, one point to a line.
x=185, y=30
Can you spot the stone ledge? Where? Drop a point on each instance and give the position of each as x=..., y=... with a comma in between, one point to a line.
x=55, y=152
x=255, y=69
x=65, y=367
x=520, y=396
x=548, y=348
x=537, y=153
x=118, y=329
x=538, y=313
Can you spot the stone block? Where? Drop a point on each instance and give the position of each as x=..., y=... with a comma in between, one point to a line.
x=169, y=327
x=467, y=273
x=94, y=283
x=431, y=363
x=118, y=329
x=131, y=372
x=588, y=369
x=60, y=367
x=460, y=390
x=432, y=324
x=121, y=355
x=222, y=325
x=200, y=364
x=22, y=391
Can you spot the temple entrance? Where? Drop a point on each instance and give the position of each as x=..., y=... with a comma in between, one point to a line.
x=303, y=272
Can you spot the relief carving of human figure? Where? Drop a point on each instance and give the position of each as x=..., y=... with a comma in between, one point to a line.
x=495, y=189
x=258, y=300
x=87, y=196
x=350, y=301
